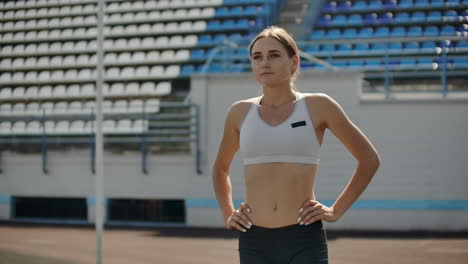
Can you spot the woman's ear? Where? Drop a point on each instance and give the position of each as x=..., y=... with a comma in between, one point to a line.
x=295, y=65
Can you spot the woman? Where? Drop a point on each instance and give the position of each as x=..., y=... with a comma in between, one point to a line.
x=279, y=135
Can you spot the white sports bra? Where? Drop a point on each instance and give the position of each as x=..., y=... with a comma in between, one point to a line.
x=294, y=140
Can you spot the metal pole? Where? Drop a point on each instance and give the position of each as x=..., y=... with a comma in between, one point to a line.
x=99, y=206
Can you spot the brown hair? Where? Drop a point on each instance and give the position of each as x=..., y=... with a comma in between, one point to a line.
x=286, y=40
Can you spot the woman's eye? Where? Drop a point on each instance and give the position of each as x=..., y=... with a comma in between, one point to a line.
x=256, y=57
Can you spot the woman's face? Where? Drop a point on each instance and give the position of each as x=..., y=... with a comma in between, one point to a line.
x=270, y=62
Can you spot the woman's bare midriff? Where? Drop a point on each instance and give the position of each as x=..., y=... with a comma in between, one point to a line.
x=276, y=191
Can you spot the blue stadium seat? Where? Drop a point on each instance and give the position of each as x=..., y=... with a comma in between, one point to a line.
x=366, y=32
x=187, y=70
x=450, y=15
x=237, y=11
x=197, y=54
x=379, y=47
x=327, y=48
x=460, y=62
x=375, y=4
x=228, y=24
x=242, y=53
x=390, y=4
x=398, y=32
x=428, y=46
x=213, y=25
x=386, y=18
x=415, y=31
x=329, y=7
x=370, y=19
x=382, y=32
x=431, y=31
x=242, y=24
x=205, y=40
x=373, y=64
x=251, y=10
x=409, y=63
x=361, y=47
x=219, y=38
x=236, y=68
x=355, y=19
x=437, y=3
x=345, y=48
x=360, y=6
x=434, y=16
x=334, y=33
x=323, y=20
x=452, y=2
x=418, y=16
x=405, y=4
x=222, y=11
x=235, y=37
x=411, y=47
x=318, y=34
x=339, y=63
x=425, y=63
x=462, y=45
x=448, y=31
x=356, y=64
x=338, y=20
x=344, y=6
x=349, y=33
x=402, y=17
x=421, y=3
x=312, y=48
x=395, y=47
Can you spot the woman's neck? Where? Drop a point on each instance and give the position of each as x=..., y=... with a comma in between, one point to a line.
x=277, y=96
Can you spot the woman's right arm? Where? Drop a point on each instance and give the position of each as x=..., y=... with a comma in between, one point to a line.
x=220, y=173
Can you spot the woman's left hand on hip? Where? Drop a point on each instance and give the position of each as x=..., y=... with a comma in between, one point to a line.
x=312, y=211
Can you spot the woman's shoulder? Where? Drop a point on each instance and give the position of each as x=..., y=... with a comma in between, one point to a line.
x=243, y=105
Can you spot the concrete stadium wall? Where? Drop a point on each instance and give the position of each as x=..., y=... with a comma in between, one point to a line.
x=421, y=184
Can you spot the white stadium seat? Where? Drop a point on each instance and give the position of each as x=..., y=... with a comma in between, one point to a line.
x=56, y=60
x=62, y=127
x=135, y=106
x=43, y=61
x=112, y=72
x=5, y=109
x=172, y=27
x=125, y=57
x=139, y=125
x=148, y=41
x=163, y=88
x=18, y=92
x=158, y=28
x=69, y=60
x=17, y=62
x=128, y=17
x=157, y=71
x=31, y=76
x=78, y=20
x=32, y=109
x=144, y=28
x=132, y=88
x=107, y=106
x=185, y=26
x=117, y=89
x=53, y=22
x=45, y=91
x=138, y=56
x=127, y=72
x=5, y=127
x=182, y=55
x=176, y=41
x=73, y=90
x=60, y=108
x=180, y=13
x=18, y=109
x=5, y=77
x=82, y=59
x=120, y=43
x=7, y=49
x=31, y=92
x=108, y=126
x=167, y=55
x=75, y=107
x=162, y=42
x=79, y=45
x=42, y=47
x=18, y=76
x=19, y=49
x=199, y=26
x=87, y=90
x=148, y=88
x=142, y=71
x=46, y=108
x=5, y=93
x=77, y=127
x=89, y=107
x=124, y=126
x=34, y=127
x=172, y=71
x=86, y=74
x=50, y=126
x=59, y=91
x=153, y=55
x=19, y=127
x=120, y=106
x=89, y=127
x=71, y=74
x=30, y=61
x=30, y=35
x=110, y=57
x=6, y=63
x=152, y=106
x=43, y=76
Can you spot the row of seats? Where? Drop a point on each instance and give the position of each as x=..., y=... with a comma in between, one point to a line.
x=250, y=10
x=122, y=126
x=34, y=3
x=161, y=4
x=379, y=47
x=402, y=64
x=80, y=108
x=171, y=27
x=392, y=18
x=190, y=69
x=192, y=13
x=75, y=33
x=230, y=24
x=348, y=6
x=381, y=32
x=86, y=90
x=50, y=11
x=91, y=59
x=157, y=71
x=48, y=23
x=109, y=44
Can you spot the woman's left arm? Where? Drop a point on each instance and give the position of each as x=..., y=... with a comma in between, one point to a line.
x=336, y=120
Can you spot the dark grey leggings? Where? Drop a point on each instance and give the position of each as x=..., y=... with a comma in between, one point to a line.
x=294, y=244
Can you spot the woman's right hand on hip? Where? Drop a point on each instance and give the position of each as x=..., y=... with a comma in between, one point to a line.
x=239, y=219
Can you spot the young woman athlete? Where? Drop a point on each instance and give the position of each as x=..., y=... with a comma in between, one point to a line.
x=279, y=135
